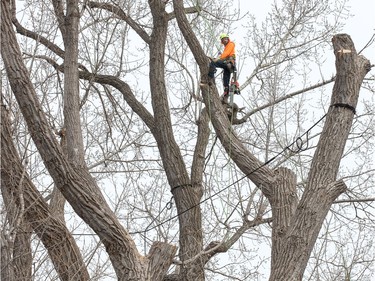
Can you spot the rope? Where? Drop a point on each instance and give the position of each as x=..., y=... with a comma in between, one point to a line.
x=296, y=142
x=167, y=206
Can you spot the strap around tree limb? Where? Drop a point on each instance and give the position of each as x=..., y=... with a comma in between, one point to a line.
x=345, y=105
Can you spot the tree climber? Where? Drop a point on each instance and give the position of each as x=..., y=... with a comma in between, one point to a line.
x=226, y=61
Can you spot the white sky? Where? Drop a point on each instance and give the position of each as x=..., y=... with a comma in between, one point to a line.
x=361, y=26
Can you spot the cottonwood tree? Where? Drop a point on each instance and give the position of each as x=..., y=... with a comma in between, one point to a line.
x=109, y=124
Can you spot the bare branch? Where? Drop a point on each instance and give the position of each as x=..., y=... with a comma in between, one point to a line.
x=122, y=15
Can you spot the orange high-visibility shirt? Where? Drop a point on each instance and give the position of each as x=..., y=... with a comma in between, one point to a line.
x=229, y=51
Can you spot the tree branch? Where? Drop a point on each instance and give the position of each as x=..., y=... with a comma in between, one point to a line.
x=312, y=87
x=52, y=232
x=188, y=10
x=322, y=188
x=115, y=82
x=33, y=35
x=76, y=184
x=354, y=200
x=248, y=163
x=121, y=14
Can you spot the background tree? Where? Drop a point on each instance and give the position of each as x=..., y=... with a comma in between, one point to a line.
x=130, y=145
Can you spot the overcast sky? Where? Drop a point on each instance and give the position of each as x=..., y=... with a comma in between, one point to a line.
x=361, y=26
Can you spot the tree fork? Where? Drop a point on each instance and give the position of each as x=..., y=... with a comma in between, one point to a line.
x=322, y=188
x=76, y=184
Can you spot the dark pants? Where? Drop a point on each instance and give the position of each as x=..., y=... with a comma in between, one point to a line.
x=221, y=64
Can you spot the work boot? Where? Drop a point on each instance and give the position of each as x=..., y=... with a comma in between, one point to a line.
x=226, y=91
x=225, y=96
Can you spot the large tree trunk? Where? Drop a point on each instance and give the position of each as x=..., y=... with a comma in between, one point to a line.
x=22, y=254
x=16, y=257
x=16, y=185
x=15, y=253
x=187, y=195
x=75, y=182
x=322, y=189
x=295, y=226
x=283, y=203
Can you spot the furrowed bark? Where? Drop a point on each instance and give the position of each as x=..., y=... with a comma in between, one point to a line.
x=74, y=181
x=186, y=195
x=51, y=231
x=322, y=187
x=72, y=121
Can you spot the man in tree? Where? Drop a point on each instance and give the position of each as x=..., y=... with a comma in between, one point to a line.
x=226, y=61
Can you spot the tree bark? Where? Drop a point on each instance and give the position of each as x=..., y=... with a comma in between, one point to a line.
x=322, y=187
x=16, y=255
x=52, y=232
x=72, y=118
x=160, y=258
x=283, y=203
x=6, y=268
x=295, y=226
x=22, y=253
x=75, y=182
x=57, y=202
x=186, y=195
